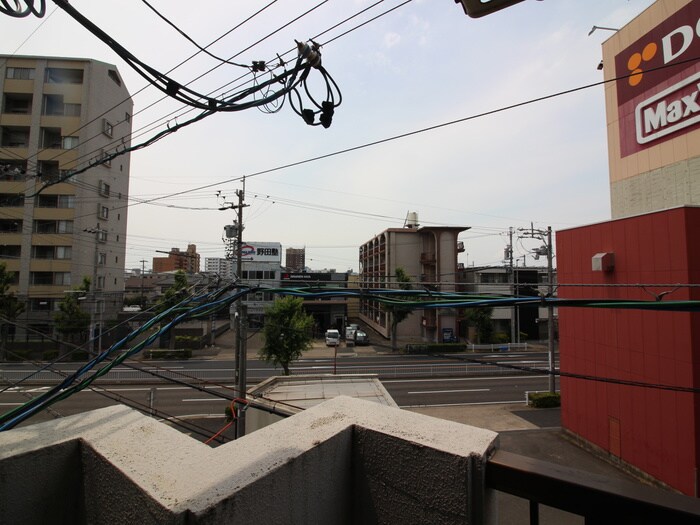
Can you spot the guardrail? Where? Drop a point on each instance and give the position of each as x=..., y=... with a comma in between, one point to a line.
x=132, y=375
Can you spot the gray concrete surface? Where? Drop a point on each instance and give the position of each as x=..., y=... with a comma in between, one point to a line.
x=531, y=432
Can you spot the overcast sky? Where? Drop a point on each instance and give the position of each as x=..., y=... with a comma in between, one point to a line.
x=421, y=65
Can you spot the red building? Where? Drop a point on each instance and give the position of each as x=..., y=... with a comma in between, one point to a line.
x=630, y=377
x=638, y=367
x=187, y=261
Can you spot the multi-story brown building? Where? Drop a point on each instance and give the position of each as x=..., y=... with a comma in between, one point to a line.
x=58, y=115
x=187, y=261
x=295, y=259
x=429, y=256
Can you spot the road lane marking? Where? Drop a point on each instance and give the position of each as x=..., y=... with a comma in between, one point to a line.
x=207, y=399
x=450, y=391
x=519, y=401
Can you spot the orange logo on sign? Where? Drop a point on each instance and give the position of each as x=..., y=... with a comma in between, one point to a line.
x=635, y=61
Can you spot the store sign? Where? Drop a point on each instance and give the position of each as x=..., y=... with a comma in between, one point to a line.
x=657, y=90
x=261, y=252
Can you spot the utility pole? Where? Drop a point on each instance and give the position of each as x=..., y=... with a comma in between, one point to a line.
x=509, y=255
x=546, y=237
x=241, y=319
x=142, y=300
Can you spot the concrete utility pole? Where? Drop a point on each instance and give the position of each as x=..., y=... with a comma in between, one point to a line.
x=512, y=283
x=142, y=300
x=241, y=319
x=546, y=237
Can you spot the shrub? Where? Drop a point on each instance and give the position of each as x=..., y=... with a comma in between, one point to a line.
x=544, y=399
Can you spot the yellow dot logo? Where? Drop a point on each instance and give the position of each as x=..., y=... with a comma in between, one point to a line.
x=635, y=62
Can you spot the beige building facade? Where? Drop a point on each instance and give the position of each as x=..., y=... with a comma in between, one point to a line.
x=653, y=109
x=429, y=256
x=58, y=115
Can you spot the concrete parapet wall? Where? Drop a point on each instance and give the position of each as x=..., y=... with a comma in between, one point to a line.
x=343, y=461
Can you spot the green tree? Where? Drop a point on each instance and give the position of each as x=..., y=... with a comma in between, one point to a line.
x=174, y=294
x=480, y=319
x=72, y=322
x=399, y=312
x=10, y=309
x=170, y=298
x=287, y=332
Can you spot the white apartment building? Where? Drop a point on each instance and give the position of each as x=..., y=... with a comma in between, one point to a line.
x=58, y=115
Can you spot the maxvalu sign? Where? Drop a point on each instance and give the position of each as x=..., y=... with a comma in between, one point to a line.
x=659, y=82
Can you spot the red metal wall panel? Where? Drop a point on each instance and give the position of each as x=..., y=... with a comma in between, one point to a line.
x=656, y=429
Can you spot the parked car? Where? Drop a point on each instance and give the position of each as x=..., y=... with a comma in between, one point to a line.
x=332, y=337
x=361, y=338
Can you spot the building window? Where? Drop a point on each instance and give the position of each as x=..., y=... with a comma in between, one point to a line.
x=12, y=169
x=55, y=201
x=51, y=252
x=14, y=136
x=102, y=212
x=101, y=259
x=18, y=103
x=100, y=284
x=10, y=251
x=101, y=236
x=111, y=73
x=105, y=159
x=20, y=73
x=107, y=127
x=70, y=142
x=104, y=189
x=50, y=278
x=11, y=200
x=127, y=117
x=10, y=225
x=58, y=75
x=47, y=226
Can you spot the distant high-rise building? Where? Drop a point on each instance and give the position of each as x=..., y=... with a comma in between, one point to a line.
x=295, y=259
x=224, y=268
x=187, y=261
x=58, y=115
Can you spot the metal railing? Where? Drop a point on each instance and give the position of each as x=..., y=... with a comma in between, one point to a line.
x=599, y=499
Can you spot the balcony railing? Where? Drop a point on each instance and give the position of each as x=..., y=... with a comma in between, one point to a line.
x=598, y=499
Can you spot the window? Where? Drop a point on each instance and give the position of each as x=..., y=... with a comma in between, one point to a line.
x=10, y=251
x=70, y=142
x=100, y=284
x=104, y=189
x=53, y=105
x=104, y=158
x=10, y=225
x=107, y=128
x=12, y=169
x=102, y=211
x=64, y=252
x=18, y=103
x=111, y=73
x=101, y=236
x=48, y=226
x=20, y=73
x=101, y=259
x=55, y=201
x=127, y=117
x=14, y=136
x=50, y=138
x=11, y=200
x=58, y=75
x=72, y=110
x=48, y=169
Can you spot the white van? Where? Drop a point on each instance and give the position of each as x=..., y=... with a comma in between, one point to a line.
x=332, y=337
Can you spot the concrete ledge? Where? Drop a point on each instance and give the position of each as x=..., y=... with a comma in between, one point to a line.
x=343, y=461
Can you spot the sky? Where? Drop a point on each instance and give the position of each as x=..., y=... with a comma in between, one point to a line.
x=425, y=91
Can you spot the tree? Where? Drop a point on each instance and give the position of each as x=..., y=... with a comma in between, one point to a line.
x=10, y=309
x=287, y=332
x=399, y=312
x=480, y=319
x=172, y=295
x=72, y=322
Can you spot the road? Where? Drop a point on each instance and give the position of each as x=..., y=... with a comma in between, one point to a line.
x=410, y=380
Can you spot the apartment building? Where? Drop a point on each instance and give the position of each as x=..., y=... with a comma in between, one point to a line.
x=429, y=256
x=58, y=115
x=187, y=261
x=295, y=259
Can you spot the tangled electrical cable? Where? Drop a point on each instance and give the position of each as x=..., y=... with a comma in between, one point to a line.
x=17, y=11
x=205, y=304
x=290, y=79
